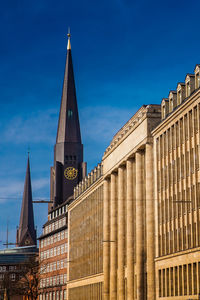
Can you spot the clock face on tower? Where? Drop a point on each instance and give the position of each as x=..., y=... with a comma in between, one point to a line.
x=70, y=173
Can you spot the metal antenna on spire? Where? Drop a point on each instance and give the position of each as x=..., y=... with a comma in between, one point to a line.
x=69, y=35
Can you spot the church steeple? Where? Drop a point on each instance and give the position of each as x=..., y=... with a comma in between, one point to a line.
x=68, y=125
x=68, y=167
x=26, y=233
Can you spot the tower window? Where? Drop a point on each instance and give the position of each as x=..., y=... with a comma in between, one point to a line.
x=70, y=113
x=74, y=157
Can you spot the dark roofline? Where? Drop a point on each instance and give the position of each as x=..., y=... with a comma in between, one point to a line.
x=52, y=232
x=190, y=75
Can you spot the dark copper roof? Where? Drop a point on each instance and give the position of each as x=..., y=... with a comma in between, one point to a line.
x=68, y=125
x=26, y=229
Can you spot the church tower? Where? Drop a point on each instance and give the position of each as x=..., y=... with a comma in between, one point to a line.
x=26, y=233
x=68, y=167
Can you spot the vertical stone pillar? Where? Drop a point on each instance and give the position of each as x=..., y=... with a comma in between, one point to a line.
x=150, y=234
x=130, y=231
x=92, y=177
x=106, y=239
x=121, y=235
x=139, y=227
x=113, y=237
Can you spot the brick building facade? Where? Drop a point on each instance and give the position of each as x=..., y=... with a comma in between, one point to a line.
x=53, y=249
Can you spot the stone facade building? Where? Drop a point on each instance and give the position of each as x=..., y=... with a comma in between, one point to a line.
x=119, y=205
x=150, y=188
x=85, y=277
x=177, y=192
x=128, y=259
x=132, y=224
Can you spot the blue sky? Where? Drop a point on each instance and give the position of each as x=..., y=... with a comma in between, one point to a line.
x=125, y=54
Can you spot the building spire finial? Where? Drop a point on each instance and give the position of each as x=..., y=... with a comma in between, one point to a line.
x=69, y=43
x=28, y=150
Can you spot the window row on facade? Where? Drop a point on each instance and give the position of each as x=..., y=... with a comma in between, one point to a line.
x=8, y=268
x=53, y=281
x=53, y=266
x=183, y=91
x=182, y=131
x=179, y=239
x=92, y=177
x=55, y=295
x=177, y=205
x=86, y=249
x=11, y=277
x=178, y=169
x=54, y=251
x=92, y=291
x=173, y=166
x=58, y=212
x=54, y=226
x=56, y=237
x=179, y=280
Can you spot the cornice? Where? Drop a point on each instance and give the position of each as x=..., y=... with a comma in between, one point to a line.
x=86, y=193
x=144, y=112
x=177, y=111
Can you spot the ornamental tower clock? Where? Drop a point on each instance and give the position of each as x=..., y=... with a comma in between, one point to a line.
x=68, y=167
x=70, y=173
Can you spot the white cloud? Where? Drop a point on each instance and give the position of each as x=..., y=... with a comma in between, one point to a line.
x=10, y=190
x=38, y=127
x=100, y=123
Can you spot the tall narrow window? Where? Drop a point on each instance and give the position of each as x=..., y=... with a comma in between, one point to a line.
x=177, y=134
x=197, y=157
x=185, y=279
x=190, y=123
x=195, y=278
x=176, y=281
x=190, y=277
x=172, y=281
x=163, y=283
x=180, y=281
x=181, y=130
x=70, y=113
x=195, y=119
x=186, y=126
x=167, y=275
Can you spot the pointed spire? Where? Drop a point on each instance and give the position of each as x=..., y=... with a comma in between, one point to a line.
x=68, y=125
x=26, y=234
